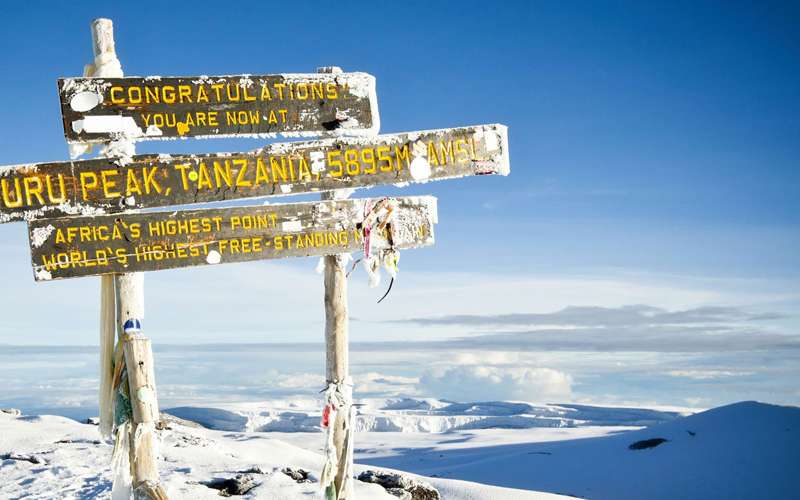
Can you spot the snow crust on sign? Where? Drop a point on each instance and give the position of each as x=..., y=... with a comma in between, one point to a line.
x=73, y=463
x=40, y=234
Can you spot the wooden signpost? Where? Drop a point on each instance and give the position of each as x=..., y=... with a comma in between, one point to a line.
x=100, y=109
x=108, y=185
x=83, y=215
x=71, y=247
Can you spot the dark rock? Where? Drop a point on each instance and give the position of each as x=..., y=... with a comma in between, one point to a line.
x=399, y=493
x=92, y=421
x=400, y=486
x=11, y=411
x=82, y=441
x=239, y=485
x=254, y=470
x=299, y=475
x=23, y=458
x=647, y=443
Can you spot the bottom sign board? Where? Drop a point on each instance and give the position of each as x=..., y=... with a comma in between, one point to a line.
x=70, y=247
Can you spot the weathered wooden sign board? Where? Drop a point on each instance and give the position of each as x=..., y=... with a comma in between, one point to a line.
x=100, y=109
x=70, y=247
x=98, y=186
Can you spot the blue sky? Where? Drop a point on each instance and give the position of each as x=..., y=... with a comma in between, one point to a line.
x=654, y=159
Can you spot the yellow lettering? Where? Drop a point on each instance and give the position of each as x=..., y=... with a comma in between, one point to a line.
x=63, y=190
x=33, y=191
x=134, y=95
x=445, y=152
x=246, y=96
x=151, y=95
x=88, y=181
x=231, y=96
x=332, y=90
x=383, y=155
x=401, y=154
x=335, y=161
x=432, y=158
x=108, y=184
x=261, y=172
x=185, y=93
x=217, y=87
x=201, y=94
x=132, y=183
x=281, y=167
x=114, y=95
x=222, y=172
x=168, y=92
x=183, y=167
x=241, y=181
x=150, y=180
x=204, y=178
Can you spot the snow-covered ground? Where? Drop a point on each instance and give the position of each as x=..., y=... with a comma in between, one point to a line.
x=482, y=450
x=746, y=450
x=52, y=457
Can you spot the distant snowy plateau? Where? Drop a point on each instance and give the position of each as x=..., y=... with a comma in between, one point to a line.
x=469, y=451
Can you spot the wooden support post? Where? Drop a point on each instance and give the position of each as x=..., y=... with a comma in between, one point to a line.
x=129, y=297
x=337, y=367
x=143, y=448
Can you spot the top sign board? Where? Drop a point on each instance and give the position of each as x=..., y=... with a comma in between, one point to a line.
x=100, y=109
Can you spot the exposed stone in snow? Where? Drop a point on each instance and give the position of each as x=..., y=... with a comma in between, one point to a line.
x=400, y=486
x=241, y=484
x=299, y=475
x=24, y=458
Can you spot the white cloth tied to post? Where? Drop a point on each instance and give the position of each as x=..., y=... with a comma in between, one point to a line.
x=338, y=397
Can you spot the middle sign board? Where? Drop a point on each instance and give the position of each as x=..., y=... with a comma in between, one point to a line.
x=98, y=186
x=70, y=247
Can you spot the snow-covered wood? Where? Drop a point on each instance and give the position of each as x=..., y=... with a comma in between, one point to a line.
x=129, y=300
x=337, y=366
x=103, y=186
x=339, y=443
x=108, y=331
x=99, y=109
x=83, y=246
x=143, y=446
x=141, y=378
x=144, y=441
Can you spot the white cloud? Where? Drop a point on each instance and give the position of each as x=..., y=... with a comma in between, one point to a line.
x=487, y=358
x=707, y=374
x=302, y=381
x=374, y=383
x=478, y=382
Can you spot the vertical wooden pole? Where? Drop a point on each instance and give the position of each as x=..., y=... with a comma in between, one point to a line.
x=129, y=297
x=143, y=448
x=337, y=368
